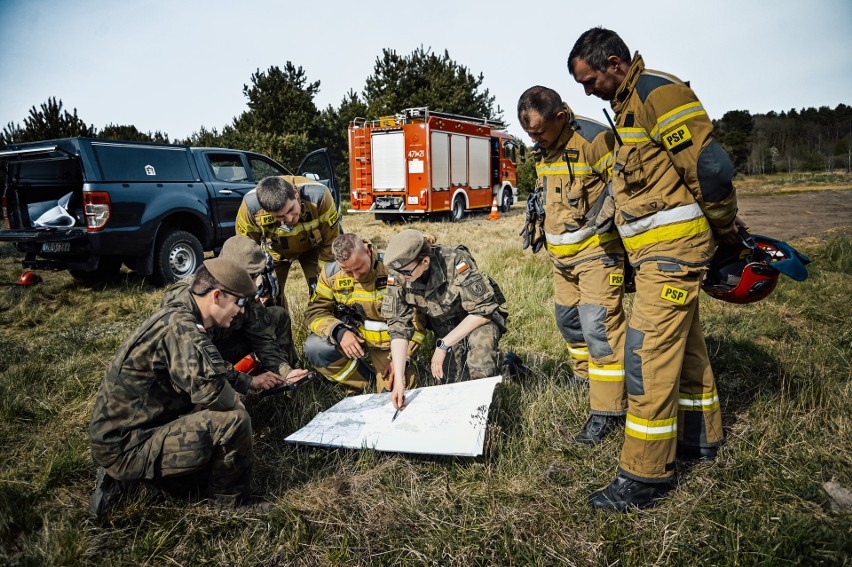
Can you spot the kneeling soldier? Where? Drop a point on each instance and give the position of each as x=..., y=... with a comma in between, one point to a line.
x=349, y=341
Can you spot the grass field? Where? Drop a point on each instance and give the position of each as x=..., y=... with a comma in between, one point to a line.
x=783, y=371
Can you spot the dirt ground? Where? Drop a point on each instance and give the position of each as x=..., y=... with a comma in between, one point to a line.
x=812, y=215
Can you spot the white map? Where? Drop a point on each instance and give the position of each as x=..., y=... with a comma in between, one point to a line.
x=448, y=419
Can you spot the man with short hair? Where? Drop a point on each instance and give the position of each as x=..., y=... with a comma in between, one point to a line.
x=673, y=192
x=462, y=306
x=293, y=218
x=165, y=407
x=349, y=341
x=573, y=166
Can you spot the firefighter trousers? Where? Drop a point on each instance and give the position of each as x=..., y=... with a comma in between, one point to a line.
x=672, y=395
x=309, y=262
x=590, y=316
x=357, y=374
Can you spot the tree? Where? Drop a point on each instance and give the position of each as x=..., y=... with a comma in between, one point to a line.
x=734, y=133
x=131, y=133
x=426, y=79
x=48, y=122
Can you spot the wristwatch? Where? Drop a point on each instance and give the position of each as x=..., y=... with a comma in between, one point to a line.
x=442, y=345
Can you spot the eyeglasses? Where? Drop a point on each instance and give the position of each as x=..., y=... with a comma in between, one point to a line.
x=241, y=301
x=409, y=273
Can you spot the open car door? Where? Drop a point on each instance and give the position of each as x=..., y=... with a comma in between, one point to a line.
x=317, y=166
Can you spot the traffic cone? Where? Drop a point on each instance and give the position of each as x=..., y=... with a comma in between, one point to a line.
x=494, y=214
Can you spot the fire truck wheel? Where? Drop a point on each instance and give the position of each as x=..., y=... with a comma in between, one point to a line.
x=457, y=212
x=506, y=201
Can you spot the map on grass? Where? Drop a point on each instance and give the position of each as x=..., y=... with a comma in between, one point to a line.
x=448, y=419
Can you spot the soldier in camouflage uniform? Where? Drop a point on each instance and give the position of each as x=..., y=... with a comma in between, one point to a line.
x=462, y=306
x=165, y=408
x=349, y=341
x=264, y=331
x=293, y=218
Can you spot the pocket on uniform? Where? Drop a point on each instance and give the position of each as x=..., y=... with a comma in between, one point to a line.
x=635, y=209
x=575, y=196
x=627, y=170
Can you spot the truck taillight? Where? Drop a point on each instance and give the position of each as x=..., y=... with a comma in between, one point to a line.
x=97, y=208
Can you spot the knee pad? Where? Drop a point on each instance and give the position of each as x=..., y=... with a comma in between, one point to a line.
x=568, y=323
x=592, y=318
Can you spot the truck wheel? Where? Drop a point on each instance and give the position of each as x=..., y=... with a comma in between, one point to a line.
x=457, y=212
x=178, y=255
x=107, y=271
x=506, y=201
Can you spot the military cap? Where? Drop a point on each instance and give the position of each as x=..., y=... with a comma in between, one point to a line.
x=245, y=252
x=404, y=248
x=231, y=275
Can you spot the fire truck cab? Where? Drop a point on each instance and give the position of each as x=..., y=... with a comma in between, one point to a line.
x=419, y=162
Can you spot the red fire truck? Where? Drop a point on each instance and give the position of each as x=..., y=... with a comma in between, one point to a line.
x=419, y=162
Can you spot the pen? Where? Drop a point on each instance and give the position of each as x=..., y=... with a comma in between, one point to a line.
x=396, y=413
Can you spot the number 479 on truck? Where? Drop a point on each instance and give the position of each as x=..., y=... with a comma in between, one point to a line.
x=419, y=162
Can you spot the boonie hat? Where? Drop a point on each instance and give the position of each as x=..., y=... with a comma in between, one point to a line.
x=404, y=248
x=246, y=252
x=231, y=275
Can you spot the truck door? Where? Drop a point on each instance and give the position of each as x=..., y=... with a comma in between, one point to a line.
x=230, y=178
x=317, y=166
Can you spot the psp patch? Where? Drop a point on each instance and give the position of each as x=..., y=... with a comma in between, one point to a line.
x=332, y=220
x=616, y=279
x=674, y=294
x=345, y=283
x=678, y=139
x=266, y=220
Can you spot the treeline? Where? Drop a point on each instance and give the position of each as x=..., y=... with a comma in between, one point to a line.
x=811, y=139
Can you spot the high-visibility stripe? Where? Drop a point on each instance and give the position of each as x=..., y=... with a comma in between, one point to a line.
x=606, y=372
x=569, y=237
x=668, y=216
x=666, y=233
x=698, y=402
x=374, y=336
x=359, y=296
x=578, y=353
x=650, y=429
x=306, y=226
x=418, y=337
x=633, y=135
x=314, y=326
x=679, y=114
x=346, y=371
x=571, y=249
x=324, y=290
x=563, y=168
x=604, y=163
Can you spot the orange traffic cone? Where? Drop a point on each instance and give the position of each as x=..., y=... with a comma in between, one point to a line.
x=494, y=214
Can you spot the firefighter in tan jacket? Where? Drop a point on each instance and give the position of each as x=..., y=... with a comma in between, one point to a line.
x=293, y=218
x=673, y=191
x=573, y=168
x=349, y=341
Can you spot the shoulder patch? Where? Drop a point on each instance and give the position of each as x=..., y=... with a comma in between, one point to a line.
x=390, y=280
x=200, y=327
x=677, y=139
x=462, y=267
x=647, y=83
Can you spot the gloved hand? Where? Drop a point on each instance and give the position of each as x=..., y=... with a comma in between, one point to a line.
x=606, y=216
x=528, y=232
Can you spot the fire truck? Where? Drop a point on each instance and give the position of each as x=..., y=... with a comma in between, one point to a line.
x=420, y=162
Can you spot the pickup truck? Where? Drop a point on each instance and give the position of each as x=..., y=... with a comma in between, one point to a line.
x=155, y=208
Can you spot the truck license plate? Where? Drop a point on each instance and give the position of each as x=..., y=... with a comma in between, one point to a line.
x=56, y=247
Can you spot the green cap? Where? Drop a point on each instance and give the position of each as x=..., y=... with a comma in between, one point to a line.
x=231, y=275
x=245, y=252
x=404, y=248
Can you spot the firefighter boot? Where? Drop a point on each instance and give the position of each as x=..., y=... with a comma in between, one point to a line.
x=597, y=427
x=625, y=493
x=691, y=453
x=107, y=492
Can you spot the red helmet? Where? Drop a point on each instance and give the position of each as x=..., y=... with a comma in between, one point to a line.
x=749, y=271
x=29, y=278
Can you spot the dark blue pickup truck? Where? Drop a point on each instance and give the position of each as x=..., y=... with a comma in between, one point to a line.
x=88, y=205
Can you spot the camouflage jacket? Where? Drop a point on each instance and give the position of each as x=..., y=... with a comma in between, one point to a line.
x=452, y=289
x=253, y=325
x=166, y=367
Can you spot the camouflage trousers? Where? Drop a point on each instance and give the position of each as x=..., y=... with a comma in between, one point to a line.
x=309, y=261
x=475, y=356
x=235, y=346
x=361, y=375
x=217, y=443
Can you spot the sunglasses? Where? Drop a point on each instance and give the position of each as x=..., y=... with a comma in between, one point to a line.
x=409, y=273
x=241, y=301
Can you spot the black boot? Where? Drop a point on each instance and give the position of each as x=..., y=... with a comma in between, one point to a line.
x=107, y=492
x=597, y=427
x=625, y=493
x=691, y=453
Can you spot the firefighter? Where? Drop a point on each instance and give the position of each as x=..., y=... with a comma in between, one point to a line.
x=349, y=341
x=573, y=166
x=293, y=218
x=461, y=305
x=672, y=193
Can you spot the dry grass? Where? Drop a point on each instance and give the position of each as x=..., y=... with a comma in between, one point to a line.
x=783, y=368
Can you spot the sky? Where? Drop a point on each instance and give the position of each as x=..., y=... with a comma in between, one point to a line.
x=177, y=65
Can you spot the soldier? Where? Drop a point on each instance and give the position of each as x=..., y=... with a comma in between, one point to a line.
x=344, y=317
x=265, y=332
x=573, y=167
x=165, y=408
x=293, y=218
x=673, y=191
x=461, y=305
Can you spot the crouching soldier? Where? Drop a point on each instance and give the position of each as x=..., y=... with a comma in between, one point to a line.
x=261, y=331
x=166, y=408
x=349, y=341
x=461, y=305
